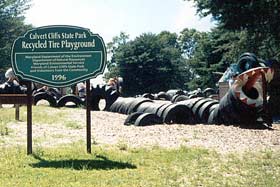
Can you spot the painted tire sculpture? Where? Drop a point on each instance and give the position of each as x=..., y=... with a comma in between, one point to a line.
x=243, y=104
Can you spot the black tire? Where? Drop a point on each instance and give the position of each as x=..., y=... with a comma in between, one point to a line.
x=144, y=107
x=131, y=118
x=162, y=96
x=181, y=98
x=108, y=93
x=96, y=95
x=146, y=119
x=192, y=96
x=204, y=111
x=55, y=92
x=149, y=96
x=136, y=103
x=214, y=117
x=124, y=105
x=233, y=111
x=70, y=98
x=171, y=93
x=44, y=96
x=178, y=113
x=160, y=110
x=197, y=106
x=174, y=98
x=212, y=108
x=247, y=62
x=191, y=102
x=116, y=105
x=150, y=107
x=154, y=108
x=110, y=99
x=208, y=91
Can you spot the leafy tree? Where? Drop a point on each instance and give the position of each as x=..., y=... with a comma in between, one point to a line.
x=260, y=19
x=11, y=26
x=210, y=52
x=150, y=63
x=112, y=48
x=242, y=26
x=188, y=41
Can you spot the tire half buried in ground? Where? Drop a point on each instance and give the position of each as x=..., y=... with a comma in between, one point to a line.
x=136, y=103
x=204, y=111
x=70, y=99
x=131, y=118
x=146, y=119
x=45, y=96
x=178, y=113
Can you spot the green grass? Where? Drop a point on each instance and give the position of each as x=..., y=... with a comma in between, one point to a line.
x=40, y=114
x=73, y=125
x=111, y=166
x=120, y=165
x=4, y=130
x=7, y=115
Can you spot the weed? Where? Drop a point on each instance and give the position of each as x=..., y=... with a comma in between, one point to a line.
x=122, y=145
x=73, y=125
x=4, y=130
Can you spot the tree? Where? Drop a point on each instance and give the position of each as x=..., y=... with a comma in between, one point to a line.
x=260, y=19
x=209, y=52
x=11, y=26
x=242, y=26
x=188, y=40
x=150, y=63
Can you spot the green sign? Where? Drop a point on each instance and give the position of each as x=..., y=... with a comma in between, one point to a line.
x=58, y=56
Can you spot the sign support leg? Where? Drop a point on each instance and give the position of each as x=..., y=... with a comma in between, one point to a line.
x=29, y=119
x=17, y=112
x=88, y=101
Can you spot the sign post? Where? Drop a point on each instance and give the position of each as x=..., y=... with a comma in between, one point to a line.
x=59, y=56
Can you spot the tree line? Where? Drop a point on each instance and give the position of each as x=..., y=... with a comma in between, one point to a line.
x=154, y=62
x=158, y=62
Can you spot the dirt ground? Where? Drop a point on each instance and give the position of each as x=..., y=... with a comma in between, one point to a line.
x=108, y=128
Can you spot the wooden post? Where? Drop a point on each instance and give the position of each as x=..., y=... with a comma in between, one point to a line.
x=88, y=101
x=17, y=112
x=29, y=118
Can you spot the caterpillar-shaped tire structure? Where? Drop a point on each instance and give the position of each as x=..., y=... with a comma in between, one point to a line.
x=242, y=105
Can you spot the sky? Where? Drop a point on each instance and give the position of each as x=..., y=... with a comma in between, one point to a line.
x=109, y=17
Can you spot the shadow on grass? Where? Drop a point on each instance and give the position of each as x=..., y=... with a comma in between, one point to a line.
x=99, y=163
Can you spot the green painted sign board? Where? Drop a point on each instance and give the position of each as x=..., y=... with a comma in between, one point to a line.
x=58, y=55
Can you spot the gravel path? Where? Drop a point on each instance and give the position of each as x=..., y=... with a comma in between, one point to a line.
x=108, y=128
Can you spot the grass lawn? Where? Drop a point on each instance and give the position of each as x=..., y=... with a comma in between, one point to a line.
x=121, y=166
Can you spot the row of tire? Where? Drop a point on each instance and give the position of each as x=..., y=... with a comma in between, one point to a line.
x=96, y=94
x=200, y=110
x=180, y=95
x=143, y=111
x=57, y=102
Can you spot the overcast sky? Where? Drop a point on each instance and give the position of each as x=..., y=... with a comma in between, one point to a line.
x=109, y=17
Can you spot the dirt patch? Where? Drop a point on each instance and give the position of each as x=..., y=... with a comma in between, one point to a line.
x=108, y=128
